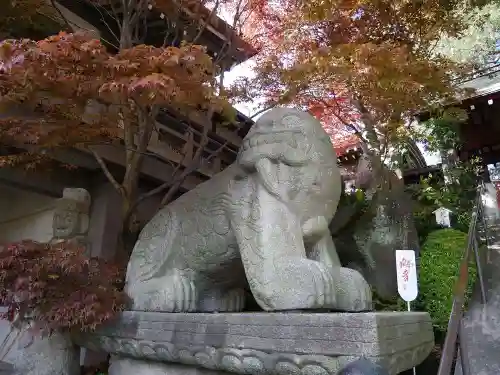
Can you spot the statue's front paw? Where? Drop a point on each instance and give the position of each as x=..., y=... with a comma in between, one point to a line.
x=171, y=293
x=353, y=292
x=294, y=284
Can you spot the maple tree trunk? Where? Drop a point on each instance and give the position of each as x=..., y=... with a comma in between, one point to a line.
x=127, y=235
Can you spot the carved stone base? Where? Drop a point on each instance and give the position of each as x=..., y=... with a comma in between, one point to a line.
x=263, y=343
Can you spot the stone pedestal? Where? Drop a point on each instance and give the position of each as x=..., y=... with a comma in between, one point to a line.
x=150, y=343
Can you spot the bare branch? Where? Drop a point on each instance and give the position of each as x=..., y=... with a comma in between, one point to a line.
x=229, y=42
x=368, y=121
x=137, y=9
x=115, y=14
x=107, y=172
x=265, y=109
x=207, y=22
x=163, y=186
x=194, y=162
x=343, y=120
x=105, y=23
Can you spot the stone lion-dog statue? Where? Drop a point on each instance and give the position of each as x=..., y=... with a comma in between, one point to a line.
x=262, y=222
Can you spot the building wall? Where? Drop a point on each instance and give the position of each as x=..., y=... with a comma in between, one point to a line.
x=25, y=215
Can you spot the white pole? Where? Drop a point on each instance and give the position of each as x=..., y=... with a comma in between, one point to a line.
x=408, y=303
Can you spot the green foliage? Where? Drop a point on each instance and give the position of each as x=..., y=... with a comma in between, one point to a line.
x=458, y=195
x=425, y=220
x=439, y=264
x=458, y=191
x=478, y=43
x=440, y=132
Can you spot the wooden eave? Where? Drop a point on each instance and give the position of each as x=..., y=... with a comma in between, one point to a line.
x=165, y=152
x=216, y=35
x=216, y=26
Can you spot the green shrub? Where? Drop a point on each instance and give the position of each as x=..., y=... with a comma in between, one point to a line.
x=440, y=261
x=425, y=220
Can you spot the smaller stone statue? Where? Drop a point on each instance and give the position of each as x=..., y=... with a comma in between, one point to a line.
x=71, y=217
x=367, y=235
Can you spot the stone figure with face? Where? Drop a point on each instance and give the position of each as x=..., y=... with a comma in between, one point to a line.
x=262, y=223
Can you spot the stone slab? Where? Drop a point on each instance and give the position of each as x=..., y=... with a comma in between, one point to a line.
x=264, y=343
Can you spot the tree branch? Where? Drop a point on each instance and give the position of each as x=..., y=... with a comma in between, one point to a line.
x=207, y=22
x=194, y=162
x=162, y=187
x=343, y=120
x=135, y=157
x=368, y=121
x=105, y=23
x=106, y=171
x=230, y=35
x=191, y=168
x=263, y=110
x=65, y=20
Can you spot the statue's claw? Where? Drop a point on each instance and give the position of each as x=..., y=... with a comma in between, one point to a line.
x=353, y=292
x=234, y=300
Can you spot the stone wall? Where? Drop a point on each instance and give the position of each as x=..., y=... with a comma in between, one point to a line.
x=105, y=218
x=25, y=215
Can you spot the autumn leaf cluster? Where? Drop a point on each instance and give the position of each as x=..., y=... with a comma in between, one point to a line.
x=360, y=66
x=77, y=93
x=57, y=287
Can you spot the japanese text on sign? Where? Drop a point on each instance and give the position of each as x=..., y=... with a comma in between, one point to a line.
x=406, y=272
x=406, y=265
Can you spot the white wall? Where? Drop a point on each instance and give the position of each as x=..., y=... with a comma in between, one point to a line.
x=25, y=215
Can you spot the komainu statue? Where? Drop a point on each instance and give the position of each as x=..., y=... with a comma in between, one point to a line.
x=262, y=223
x=368, y=235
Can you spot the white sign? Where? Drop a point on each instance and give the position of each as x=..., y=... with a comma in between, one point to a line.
x=443, y=217
x=406, y=271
